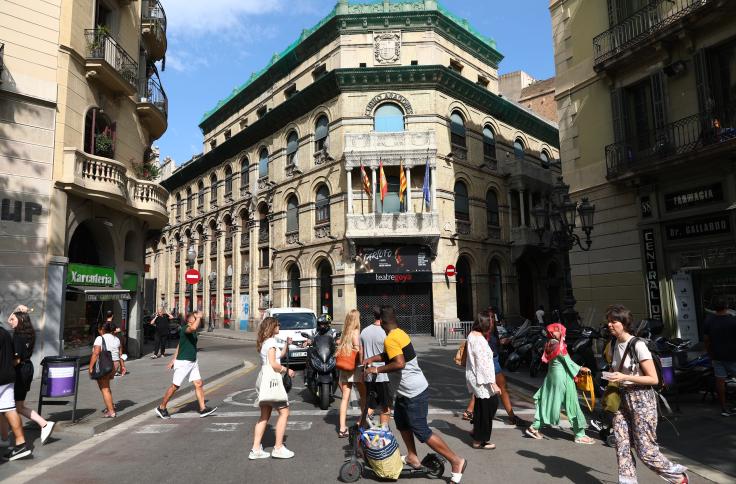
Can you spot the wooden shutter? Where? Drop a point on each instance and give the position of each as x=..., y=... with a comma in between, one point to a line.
x=618, y=113
x=702, y=81
x=659, y=100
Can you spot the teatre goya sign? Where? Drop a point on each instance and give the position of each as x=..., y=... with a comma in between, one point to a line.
x=86, y=275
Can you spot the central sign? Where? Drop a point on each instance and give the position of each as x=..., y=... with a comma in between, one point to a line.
x=191, y=276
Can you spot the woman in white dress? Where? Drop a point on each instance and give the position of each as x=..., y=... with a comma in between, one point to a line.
x=481, y=380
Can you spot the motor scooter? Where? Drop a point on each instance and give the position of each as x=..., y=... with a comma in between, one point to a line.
x=320, y=374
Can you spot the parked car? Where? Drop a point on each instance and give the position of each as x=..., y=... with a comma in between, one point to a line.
x=292, y=323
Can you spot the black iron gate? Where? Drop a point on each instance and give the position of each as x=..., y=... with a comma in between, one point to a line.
x=412, y=303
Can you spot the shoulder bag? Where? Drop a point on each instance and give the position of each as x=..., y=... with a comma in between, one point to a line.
x=286, y=378
x=270, y=386
x=612, y=393
x=461, y=355
x=104, y=365
x=346, y=362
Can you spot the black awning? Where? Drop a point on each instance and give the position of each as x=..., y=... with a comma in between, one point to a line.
x=101, y=293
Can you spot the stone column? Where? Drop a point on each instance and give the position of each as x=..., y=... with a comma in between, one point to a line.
x=409, y=207
x=509, y=198
x=522, y=207
x=350, y=190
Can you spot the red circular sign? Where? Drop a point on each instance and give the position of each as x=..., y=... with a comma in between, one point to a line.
x=192, y=276
x=450, y=271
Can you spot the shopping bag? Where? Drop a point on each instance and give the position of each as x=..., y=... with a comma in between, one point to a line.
x=270, y=386
x=584, y=383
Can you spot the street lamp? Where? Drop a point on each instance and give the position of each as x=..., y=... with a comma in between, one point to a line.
x=191, y=256
x=555, y=224
x=212, y=278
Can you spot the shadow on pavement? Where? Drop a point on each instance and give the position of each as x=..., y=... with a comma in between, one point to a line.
x=561, y=468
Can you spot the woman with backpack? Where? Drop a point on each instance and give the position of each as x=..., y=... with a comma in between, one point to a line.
x=635, y=422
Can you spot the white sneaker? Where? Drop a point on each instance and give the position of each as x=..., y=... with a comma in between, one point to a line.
x=258, y=454
x=46, y=431
x=282, y=453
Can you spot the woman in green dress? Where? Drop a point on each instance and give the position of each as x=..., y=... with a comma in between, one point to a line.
x=558, y=390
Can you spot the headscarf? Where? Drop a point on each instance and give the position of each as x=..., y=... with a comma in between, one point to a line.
x=554, y=348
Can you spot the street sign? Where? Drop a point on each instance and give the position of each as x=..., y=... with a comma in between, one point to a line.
x=450, y=271
x=191, y=276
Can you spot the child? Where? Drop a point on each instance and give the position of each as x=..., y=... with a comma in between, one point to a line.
x=558, y=389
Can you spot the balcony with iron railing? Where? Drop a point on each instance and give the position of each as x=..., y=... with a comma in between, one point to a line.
x=153, y=29
x=177, y=287
x=228, y=282
x=683, y=140
x=153, y=106
x=652, y=23
x=244, y=280
x=107, y=62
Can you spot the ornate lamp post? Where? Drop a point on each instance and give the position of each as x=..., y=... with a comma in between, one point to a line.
x=555, y=223
x=211, y=324
x=191, y=256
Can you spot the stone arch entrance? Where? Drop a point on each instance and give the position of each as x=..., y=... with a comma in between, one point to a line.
x=464, y=290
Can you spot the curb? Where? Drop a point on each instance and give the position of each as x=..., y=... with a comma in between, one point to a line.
x=222, y=336
x=81, y=429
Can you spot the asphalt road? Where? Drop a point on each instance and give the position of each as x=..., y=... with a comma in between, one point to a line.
x=189, y=449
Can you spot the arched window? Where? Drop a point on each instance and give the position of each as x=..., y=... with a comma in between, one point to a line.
x=489, y=143
x=294, y=286
x=519, y=149
x=322, y=205
x=200, y=194
x=492, y=209
x=244, y=176
x=189, y=200
x=391, y=202
x=321, y=134
x=389, y=118
x=292, y=214
x=292, y=145
x=544, y=157
x=494, y=283
x=99, y=134
x=178, y=205
x=462, y=205
x=228, y=181
x=263, y=163
x=213, y=189
x=457, y=129
x=324, y=287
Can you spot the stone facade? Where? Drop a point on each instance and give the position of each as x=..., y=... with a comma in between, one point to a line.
x=646, y=121
x=282, y=173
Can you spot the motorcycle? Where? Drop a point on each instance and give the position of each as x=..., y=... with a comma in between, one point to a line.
x=320, y=373
x=523, y=342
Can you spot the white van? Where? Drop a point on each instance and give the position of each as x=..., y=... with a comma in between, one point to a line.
x=293, y=322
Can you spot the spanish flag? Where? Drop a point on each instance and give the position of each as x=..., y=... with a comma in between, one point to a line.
x=382, y=178
x=402, y=181
x=366, y=180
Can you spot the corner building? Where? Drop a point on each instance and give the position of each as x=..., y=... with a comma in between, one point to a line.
x=646, y=94
x=277, y=211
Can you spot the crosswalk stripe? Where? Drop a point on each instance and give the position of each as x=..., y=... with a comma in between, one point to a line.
x=155, y=429
x=224, y=427
x=333, y=411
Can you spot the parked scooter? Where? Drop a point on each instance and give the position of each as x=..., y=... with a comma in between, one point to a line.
x=523, y=342
x=320, y=374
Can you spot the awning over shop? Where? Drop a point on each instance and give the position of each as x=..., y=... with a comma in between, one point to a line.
x=101, y=293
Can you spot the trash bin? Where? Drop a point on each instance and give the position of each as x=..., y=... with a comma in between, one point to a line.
x=59, y=377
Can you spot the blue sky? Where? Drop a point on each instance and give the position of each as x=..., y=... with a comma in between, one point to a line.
x=215, y=45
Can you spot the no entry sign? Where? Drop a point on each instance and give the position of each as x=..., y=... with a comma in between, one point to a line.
x=450, y=271
x=191, y=276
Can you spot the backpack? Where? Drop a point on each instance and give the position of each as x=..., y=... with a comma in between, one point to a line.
x=659, y=386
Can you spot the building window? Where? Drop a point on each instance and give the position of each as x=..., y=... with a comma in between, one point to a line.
x=456, y=66
x=213, y=189
x=457, y=129
x=228, y=134
x=321, y=134
x=228, y=182
x=492, y=218
x=178, y=205
x=324, y=286
x=489, y=143
x=292, y=146
x=290, y=91
x=292, y=214
x=483, y=81
x=200, y=194
x=263, y=254
x=263, y=163
x=462, y=205
x=99, y=134
x=389, y=118
x=544, y=157
x=189, y=200
x=322, y=205
x=244, y=175
x=391, y=202
x=519, y=149
x=261, y=111
x=496, y=288
x=294, y=286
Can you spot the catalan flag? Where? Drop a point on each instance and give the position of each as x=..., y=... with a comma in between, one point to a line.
x=402, y=181
x=366, y=180
x=382, y=179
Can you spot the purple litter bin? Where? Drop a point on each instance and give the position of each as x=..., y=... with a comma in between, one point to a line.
x=59, y=379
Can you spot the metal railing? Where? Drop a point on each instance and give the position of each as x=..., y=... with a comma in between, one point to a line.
x=228, y=282
x=154, y=13
x=153, y=93
x=101, y=45
x=685, y=135
x=452, y=332
x=642, y=24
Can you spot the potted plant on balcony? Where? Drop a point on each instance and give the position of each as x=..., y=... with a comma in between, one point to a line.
x=97, y=42
x=104, y=145
x=146, y=171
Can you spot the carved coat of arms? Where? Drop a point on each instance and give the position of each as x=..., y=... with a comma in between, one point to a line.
x=387, y=47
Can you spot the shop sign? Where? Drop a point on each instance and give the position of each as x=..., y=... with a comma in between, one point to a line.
x=702, y=227
x=393, y=260
x=87, y=275
x=694, y=197
x=651, y=276
x=687, y=320
x=383, y=278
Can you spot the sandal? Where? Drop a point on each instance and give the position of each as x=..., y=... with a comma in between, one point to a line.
x=584, y=440
x=467, y=416
x=403, y=461
x=343, y=433
x=110, y=415
x=533, y=433
x=486, y=445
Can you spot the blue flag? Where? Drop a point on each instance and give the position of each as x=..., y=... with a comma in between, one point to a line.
x=426, y=194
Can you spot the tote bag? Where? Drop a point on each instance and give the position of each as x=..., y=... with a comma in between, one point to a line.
x=346, y=362
x=270, y=386
x=103, y=365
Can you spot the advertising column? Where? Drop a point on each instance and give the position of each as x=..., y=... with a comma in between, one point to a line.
x=687, y=319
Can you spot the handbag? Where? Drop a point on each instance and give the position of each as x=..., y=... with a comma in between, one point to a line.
x=461, y=355
x=270, y=386
x=286, y=378
x=584, y=383
x=104, y=365
x=346, y=362
x=612, y=393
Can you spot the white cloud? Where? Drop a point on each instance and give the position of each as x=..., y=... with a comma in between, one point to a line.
x=199, y=17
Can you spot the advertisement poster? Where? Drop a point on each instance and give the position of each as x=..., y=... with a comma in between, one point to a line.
x=227, y=310
x=244, y=311
x=687, y=320
x=393, y=260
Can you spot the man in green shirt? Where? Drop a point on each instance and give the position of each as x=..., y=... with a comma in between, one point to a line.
x=185, y=364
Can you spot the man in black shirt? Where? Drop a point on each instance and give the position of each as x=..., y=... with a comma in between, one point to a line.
x=161, y=322
x=7, y=396
x=719, y=331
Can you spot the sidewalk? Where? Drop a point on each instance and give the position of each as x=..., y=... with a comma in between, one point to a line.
x=139, y=391
x=230, y=334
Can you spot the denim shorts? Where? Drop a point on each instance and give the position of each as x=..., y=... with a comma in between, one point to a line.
x=496, y=365
x=721, y=369
x=411, y=414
